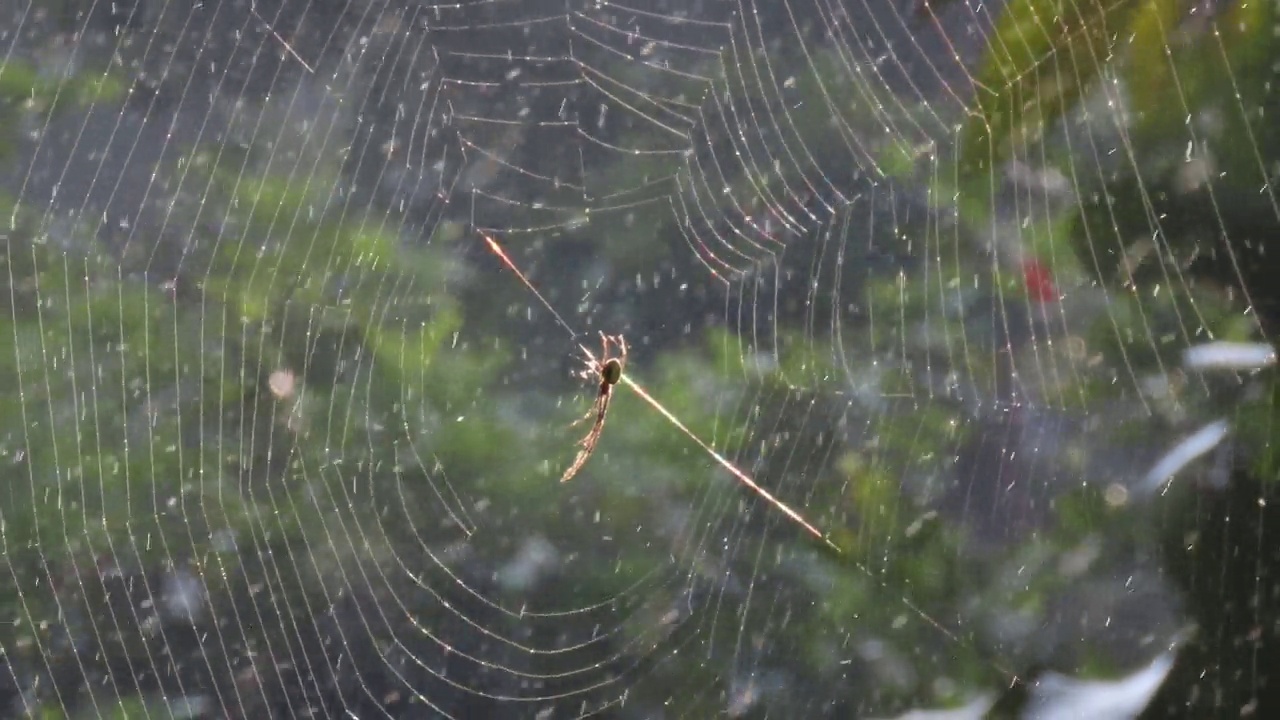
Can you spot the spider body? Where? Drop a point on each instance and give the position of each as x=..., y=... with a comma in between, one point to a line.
x=608, y=371
x=611, y=372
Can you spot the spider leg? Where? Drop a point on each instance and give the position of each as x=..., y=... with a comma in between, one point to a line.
x=588, y=372
x=587, y=445
x=593, y=364
x=595, y=367
x=592, y=412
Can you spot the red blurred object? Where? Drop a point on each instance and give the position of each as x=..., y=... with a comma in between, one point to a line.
x=1039, y=282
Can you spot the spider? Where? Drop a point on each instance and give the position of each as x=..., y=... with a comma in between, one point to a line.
x=607, y=371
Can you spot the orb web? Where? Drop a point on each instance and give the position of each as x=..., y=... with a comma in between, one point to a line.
x=947, y=356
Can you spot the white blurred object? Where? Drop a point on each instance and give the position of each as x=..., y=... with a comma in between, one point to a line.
x=1183, y=454
x=535, y=556
x=1058, y=697
x=1229, y=356
x=183, y=596
x=975, y=709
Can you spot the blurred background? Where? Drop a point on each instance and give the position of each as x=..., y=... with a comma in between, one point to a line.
x=983, y=291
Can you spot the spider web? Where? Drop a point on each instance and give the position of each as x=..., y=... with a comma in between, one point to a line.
x=976, y=289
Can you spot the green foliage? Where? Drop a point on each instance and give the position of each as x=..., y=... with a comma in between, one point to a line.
x=1175, y=67
x=23, y=89
x=149, y=417
x=1045, y=57
x=1258, y=426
